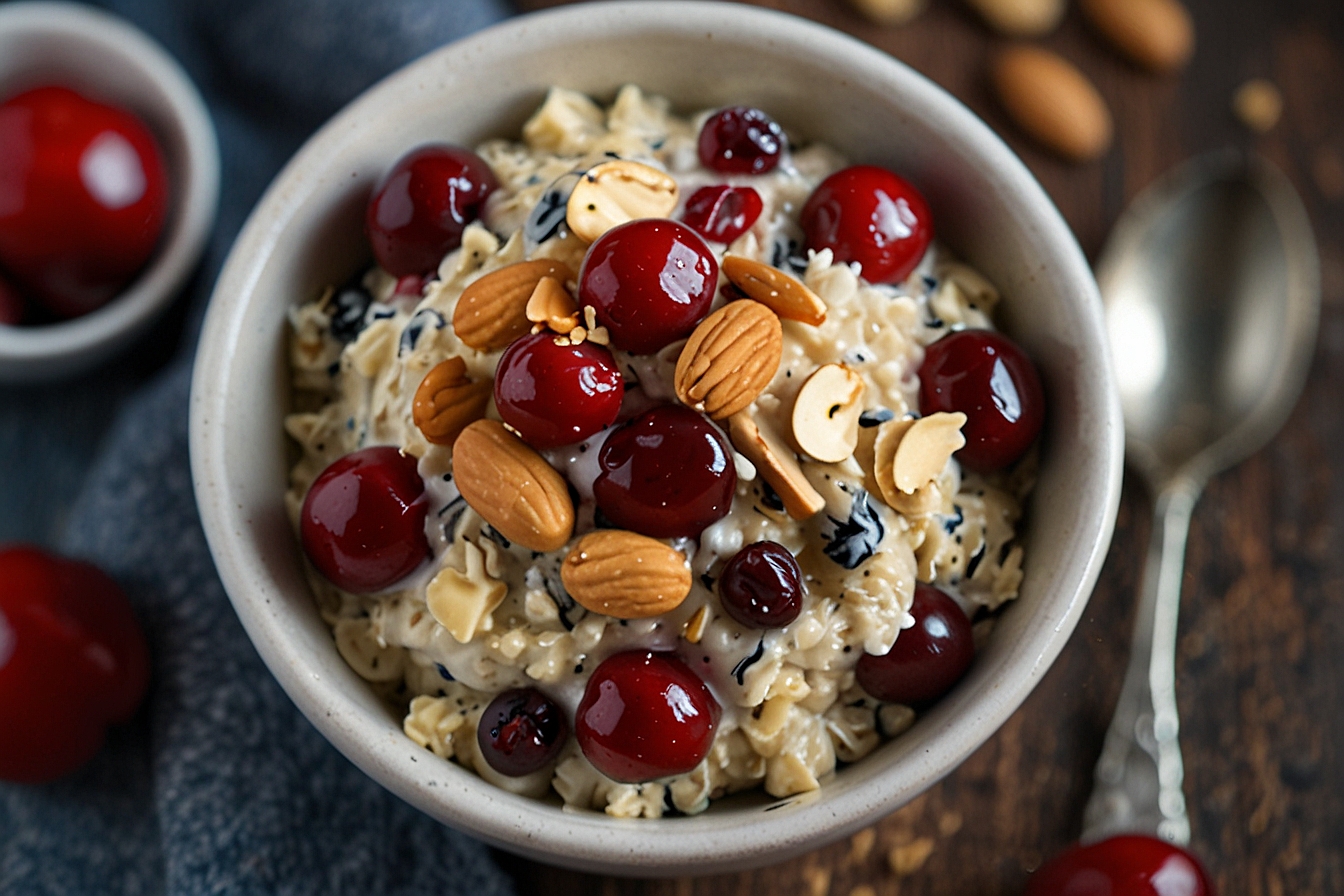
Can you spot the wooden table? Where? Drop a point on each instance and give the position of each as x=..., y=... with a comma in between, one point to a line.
x=1261, y=656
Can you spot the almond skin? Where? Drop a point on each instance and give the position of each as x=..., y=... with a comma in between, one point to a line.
x=625, y=575
x=492, y=310
x=782, y=293
x=729, y=359
x=513, y=487
x=1053, y=102
x=1157, y=34
x=448, y=400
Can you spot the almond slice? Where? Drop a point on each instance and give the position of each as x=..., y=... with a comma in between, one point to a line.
x=625, y=575
x=552, y=306
x=782, y=293
x=492, y=310
x=615, y=192
x=447, y=401
x=512, y=486
x=730, y=358
x=928, y=445
x=777, y=464
x=826, y=413
x=889, y=436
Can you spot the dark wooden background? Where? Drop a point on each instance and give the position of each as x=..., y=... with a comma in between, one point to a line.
x=1261, y=657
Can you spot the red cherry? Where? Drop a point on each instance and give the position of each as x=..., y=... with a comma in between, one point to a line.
x=423, y=203
x=869, y=215
x=83, y=197
x=12, y=306
x=1128, y=865
x=722, y=213
x=521, y=731
x=557, y=394
x=72, y=660
x=650, y=281
x=926, y=660
x=762, y=586
x=740, y=140
x=666, y=473
x=645, y=715
x=363, y=521
x=984, y=375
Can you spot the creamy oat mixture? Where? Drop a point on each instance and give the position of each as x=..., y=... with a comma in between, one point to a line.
x=791, y=707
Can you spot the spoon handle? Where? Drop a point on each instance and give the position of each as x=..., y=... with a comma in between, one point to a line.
x=1137, y=784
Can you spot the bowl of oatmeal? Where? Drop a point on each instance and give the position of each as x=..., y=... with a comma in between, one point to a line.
x=602, y=505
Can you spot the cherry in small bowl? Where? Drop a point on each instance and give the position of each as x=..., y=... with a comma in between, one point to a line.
x=521, y=732
x=927, y=659
x=363, y=521
x=869, y=215
x=1127, y=865
x=644, y=716
x=555, y=393
x=762, y=586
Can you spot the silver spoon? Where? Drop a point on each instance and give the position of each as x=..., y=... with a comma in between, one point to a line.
x=1212, y=290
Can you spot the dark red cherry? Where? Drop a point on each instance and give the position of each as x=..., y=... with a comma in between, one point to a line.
x=363, y=521
x=421, y=206
x=556, y=394
x=521, y=731
x=645, y=715
x=869, y=215
x=1128, y=865
x=762, y=586
x=740, y=140
x=722, y=213
x=983, y=374
x=926, y=660
x=666, y=473
x=83, y=197
x=650, y=282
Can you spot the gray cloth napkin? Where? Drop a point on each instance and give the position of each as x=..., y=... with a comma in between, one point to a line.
x=219, y=785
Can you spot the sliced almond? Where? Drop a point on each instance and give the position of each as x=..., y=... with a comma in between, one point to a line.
x=552, y=306
x=512, y=486
x=492, y=310
x=729, y=359
x=826, y=413
x=928, y=445
x=460, y=601
x=777, y=464
x=447, y=401
x=625, y=575
x=782, y=293
x=612, y=193
x=889, y=436
x=694, y=629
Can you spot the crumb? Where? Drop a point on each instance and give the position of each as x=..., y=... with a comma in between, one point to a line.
x=889, y=12
x=818, y=881
x=949, y=823
x=861, y=844
x=1258, y=104
x=911, y=857
x=863, y=890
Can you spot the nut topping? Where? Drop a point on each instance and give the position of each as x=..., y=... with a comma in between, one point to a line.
x=777, y=464
x=512, y=486
x=448, y=400
x=926, y=448
x=782, y=293
x=552, y=306
x=729, y=359
x=826, y=413
x=615, y=192
x=492, y=311
x=625, y=575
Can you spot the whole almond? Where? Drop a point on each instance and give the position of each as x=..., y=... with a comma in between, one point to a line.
x=492, y=311
x=1053, y=102
x=889, y=12
x=1020, y=18
x=512, y=486
x=625, y=575
x=1157, y=34
x=615, y=192
x=782, y=293
x=729, y=359
x=448, y=400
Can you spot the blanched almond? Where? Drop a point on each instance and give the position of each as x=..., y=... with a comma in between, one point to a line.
x=782, y=293
x=615, y=192
x=1053, y=102
x=730, y=358
x=492, y=310
x=625, y=575
x=512, y=486
x=1157, y=34
x=928, y=445
x=777, y=464
x=448, y=400
x=826, y=413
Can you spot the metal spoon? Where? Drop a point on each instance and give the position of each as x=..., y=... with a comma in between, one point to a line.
x=1212, y=290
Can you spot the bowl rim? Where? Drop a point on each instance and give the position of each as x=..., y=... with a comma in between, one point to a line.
x=68, y=347
x=588, y=840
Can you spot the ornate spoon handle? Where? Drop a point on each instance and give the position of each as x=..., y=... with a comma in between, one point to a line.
x=1137, y=784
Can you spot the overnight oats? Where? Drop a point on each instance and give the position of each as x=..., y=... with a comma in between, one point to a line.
x=657, y=458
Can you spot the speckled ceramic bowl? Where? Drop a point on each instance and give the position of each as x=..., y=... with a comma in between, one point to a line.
x=306, y=232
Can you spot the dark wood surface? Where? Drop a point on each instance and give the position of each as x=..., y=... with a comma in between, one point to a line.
x=1261, y=656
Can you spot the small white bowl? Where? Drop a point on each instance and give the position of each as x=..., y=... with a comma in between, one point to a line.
x=306, y=232
x=109, y=60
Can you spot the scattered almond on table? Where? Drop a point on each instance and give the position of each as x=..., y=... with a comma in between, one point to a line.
x=1020, y=18
x=908, y=858
x=1258, y=105
x=889, y=12
x=1157, y=34
x=1053, y=102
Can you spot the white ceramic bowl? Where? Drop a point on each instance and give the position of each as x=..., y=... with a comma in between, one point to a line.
x=306, y=233
x=107, y=59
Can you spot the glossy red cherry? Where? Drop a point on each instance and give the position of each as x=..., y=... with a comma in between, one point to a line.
x=722, y=213
x=72, y=660
x=363, y=521
x=521, y=731
x=557, y=394
x=83, y=197
x=740, y=140
x=1128, y=865
x=423, y=203
x=666, y=473
x=762, y=586
x=869, y=215
x=926, y=660
x=984, y=375
x=645, y=715
x=650, y=282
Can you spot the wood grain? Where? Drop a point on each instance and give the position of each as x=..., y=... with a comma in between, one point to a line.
x=1261, y=662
